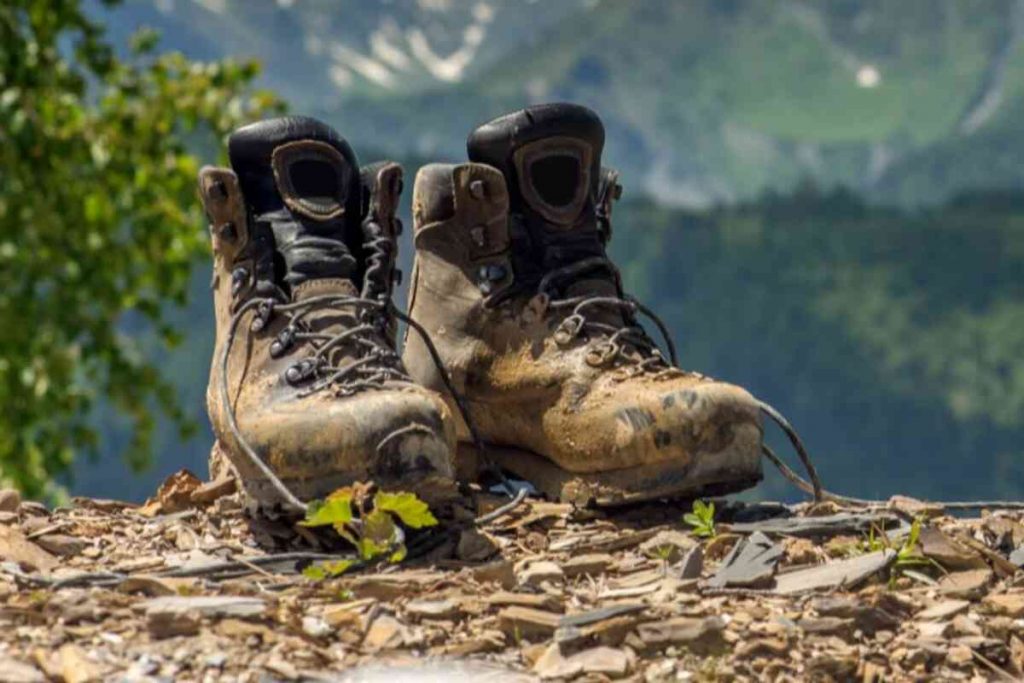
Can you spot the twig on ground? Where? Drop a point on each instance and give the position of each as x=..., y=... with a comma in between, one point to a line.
x=504, y=509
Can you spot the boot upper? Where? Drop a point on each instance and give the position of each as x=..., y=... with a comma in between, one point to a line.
x=513, y=281
x=305, y=372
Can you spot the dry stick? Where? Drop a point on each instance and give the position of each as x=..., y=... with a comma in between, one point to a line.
x=503, y=510
x=255, y=567
x=233, y=565
x=992, y=665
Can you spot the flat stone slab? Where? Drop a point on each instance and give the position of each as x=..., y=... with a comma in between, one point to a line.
x=206, y=605
x=841, y=574
x=829, y=525
x=750, y=564
x=945, y=609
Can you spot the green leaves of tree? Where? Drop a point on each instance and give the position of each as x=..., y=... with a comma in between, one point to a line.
x=99, y=226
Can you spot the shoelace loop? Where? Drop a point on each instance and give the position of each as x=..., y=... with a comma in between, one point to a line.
x=627, y=343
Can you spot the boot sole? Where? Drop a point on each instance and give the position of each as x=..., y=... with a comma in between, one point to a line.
x=734, y=469
x=433, y=490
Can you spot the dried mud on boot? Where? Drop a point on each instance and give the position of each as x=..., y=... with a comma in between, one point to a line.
x=307, y=392
x=563, y=385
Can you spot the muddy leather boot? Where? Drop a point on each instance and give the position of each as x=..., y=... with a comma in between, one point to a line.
x=512, y=282
x=306, y=386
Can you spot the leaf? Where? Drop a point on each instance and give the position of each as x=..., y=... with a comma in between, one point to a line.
x=915, y=532
x=346, y=533
x=412, y=511
x=334, y=511
x=323, y=570
x=692, y=519
x=315, y=572
x=398, y=555
x=338, y=567
x=378, y=534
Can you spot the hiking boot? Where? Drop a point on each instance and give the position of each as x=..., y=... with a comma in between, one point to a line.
x=314, y=395
x=513, y=283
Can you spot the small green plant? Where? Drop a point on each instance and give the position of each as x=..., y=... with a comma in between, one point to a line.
x=702, y=519
x=907, y=555
x=662, y=552
x=374, y=532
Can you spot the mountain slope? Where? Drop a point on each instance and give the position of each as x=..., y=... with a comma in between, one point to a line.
x=706, y=101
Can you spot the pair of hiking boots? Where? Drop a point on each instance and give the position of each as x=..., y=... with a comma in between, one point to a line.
x=521, y=342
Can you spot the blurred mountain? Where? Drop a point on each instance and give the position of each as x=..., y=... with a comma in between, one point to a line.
x=706, y=101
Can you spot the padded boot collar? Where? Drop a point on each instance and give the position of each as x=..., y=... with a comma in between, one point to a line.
x=260, y=151
x=551, y=156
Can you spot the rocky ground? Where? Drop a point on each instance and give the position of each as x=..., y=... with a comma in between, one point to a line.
x=189, y=588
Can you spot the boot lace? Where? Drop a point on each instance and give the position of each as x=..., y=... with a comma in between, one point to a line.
x=376, y=360
x=624, y=343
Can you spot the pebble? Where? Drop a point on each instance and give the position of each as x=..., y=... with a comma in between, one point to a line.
x=433, y=609
x=537, y=573
x=592, y=564
x=1007, y=604
x=315, y=627
x=10, y=500
x=945, y=609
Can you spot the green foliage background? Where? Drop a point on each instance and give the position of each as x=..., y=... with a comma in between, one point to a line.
x=99, y=227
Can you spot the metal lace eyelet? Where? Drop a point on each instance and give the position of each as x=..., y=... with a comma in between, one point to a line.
x=602, y=354
x=239, y=276
x=569, y=329
x=300, y=372
x=489, y=274
x=263, y=313
x=284, y=341
x=228, y=232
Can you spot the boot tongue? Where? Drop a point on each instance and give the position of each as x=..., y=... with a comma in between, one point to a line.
x=309, y=289
x=301, y=179
x=329, y=320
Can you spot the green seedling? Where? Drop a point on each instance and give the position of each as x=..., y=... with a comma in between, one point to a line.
x=370, y=525
x=662, y=552
x=702, y=519
x=907, y=554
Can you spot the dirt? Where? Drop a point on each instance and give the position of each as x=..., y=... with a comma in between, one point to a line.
x=189, y=587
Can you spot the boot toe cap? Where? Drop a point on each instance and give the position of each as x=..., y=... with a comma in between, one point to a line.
x=640, y=425
x=397, y=437
x=686, y=423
